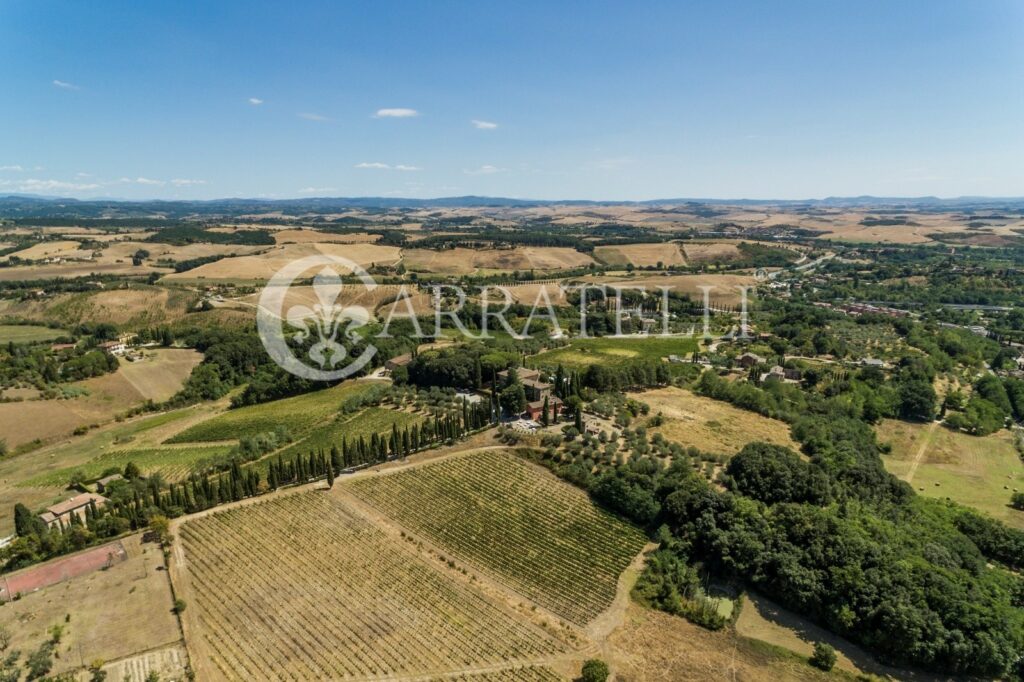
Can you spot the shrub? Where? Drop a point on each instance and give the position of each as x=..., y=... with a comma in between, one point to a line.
x=824, y=656
x=1017, y=501
x=594, y=671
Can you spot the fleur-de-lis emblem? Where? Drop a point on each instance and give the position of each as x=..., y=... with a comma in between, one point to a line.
x=326, y=319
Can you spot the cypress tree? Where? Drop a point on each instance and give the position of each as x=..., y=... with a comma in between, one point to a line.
x=330, y=475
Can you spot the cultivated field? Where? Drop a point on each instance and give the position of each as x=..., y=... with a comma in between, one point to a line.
x=462, y=261
x=115, y=613
x=173, y=463
x=516, y=522
x=43, y=250
x=299, y=414
x=263, y=266
x=141, y=433
x=724, y=288
x=102, y=398
x=305, y=236
x=711, y=251
x=76, y=269
x=140, y=305
x=160, y=373
x=27, y=333
x=980, y=472
x=373, y=420
x=710, y=425
x=641, y=255
x=303, y=587
x=581, y=353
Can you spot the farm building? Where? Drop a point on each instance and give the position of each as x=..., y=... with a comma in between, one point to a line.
x=535, y=409
x=535, y=389
x=60, y=514
x=750, y=360
x=398, y=361
x=101, y=485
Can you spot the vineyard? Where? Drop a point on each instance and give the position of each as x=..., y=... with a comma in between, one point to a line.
x=299, y=414
x=174, y=464
x=373, y=420
x=528, y=529
x=301, y=587
x=510, y=675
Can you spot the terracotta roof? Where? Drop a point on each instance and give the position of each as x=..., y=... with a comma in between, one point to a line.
x=75, y=502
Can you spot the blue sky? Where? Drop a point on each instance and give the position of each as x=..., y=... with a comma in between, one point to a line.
x=543, y=100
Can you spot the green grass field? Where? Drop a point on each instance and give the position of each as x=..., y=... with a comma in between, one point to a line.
x=299, y=415
x=979, y=472
x=515, y=521
x=582, y=353
x=19, y=333
x=372, y=420
x=174, y=464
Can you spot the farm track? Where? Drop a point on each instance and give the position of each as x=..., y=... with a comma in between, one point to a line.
x=926, y=440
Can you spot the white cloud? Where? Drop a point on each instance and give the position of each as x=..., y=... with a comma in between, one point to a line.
x=377, y=165
x=83, y=175
x=64, y=85
x=36, y=185
x=142, y=181
x=255, y=101
x=317, y=190
x=483, y=125
x=185, y=182
x=15, y=169
x=396, y=113
x=313, y=117
x=485, y=169
x=614, y=163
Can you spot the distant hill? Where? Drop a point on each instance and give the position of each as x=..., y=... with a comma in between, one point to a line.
x=22, y=206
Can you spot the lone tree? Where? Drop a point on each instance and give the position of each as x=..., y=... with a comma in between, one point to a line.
x=824, y=656
x=594, y=670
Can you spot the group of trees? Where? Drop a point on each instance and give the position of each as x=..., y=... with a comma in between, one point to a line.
x=378, y=448
x=829, y=534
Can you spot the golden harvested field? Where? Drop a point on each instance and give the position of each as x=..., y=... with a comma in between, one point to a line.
x=302, y=586
x=641, y=255
x=116, y=614
x=515, y=521
x=712, y=251
x=305, y=236
x=137, y=306
x=979, y=472
x=724, y=291
x=42, y=250
x=123, y=251
x=76, y=269
x=132, y=384
x=712, y=425
x=263, y=266
x=161, y=372
x=461, y=261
